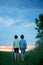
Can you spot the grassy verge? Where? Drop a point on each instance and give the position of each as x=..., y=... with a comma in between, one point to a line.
x=33, y=57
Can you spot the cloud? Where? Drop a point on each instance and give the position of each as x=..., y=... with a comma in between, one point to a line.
x=5, y=43
x=7, y=22
x=29, y=24
x=23, y=25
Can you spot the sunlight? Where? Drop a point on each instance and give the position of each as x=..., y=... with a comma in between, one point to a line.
x=9, y=48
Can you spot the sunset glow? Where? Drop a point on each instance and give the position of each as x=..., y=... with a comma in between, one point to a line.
x=9, y=48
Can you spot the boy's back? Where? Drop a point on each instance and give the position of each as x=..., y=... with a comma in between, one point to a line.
x=16, y=46
x=22, y=46
x=22, y=42
x=16, y=43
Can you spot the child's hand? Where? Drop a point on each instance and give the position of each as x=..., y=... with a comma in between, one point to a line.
x=12, y=49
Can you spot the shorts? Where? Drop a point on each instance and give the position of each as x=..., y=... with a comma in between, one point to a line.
x=16, y=50
x=22, y=51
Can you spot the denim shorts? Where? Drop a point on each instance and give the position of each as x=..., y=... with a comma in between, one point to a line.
x=22, y=51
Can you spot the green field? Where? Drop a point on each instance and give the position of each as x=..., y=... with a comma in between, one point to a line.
x=6, y=58
x=33, y=57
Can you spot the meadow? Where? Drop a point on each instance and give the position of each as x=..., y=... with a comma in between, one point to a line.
x=33, y=57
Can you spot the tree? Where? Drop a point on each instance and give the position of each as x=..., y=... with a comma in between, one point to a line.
x=39, y=28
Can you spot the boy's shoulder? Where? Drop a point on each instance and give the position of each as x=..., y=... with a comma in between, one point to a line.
x=15, y=39
x=23, y=40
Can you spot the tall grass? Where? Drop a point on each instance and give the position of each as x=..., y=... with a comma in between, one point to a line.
x=33, y=57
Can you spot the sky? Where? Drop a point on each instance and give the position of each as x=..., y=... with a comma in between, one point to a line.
x=18, y=17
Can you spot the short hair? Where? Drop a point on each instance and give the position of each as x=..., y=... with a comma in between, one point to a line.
x=15, y=36
x=22, y=36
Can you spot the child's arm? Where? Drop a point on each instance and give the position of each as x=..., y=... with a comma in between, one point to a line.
x=13, y=46
x=19, y=46
x=25, y=44
x=12, y=49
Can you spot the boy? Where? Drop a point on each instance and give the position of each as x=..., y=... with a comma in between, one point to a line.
x=16, y=46
x=23, y=46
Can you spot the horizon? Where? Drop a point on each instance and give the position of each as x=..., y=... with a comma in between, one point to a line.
x=9, y=48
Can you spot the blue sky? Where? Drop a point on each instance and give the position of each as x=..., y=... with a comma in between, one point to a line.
x=18, y=17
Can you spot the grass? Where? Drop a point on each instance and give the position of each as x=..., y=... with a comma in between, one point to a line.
x=33, y=57
x=6, y=58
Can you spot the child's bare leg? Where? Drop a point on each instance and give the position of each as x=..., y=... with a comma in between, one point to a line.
x=15, y=56
x=22, y=55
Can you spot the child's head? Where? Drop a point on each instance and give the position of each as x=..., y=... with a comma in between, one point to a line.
x=22, y=36
x=15, y=36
